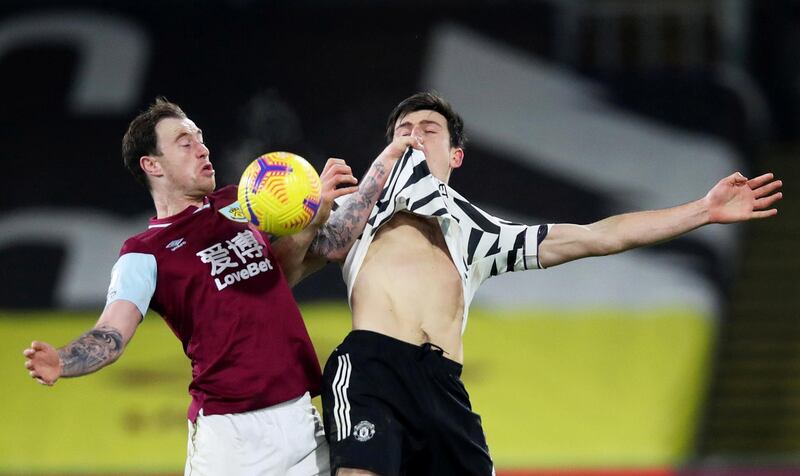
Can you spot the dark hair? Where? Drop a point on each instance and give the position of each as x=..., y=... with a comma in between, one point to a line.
x=429, y=101
x=140, y=139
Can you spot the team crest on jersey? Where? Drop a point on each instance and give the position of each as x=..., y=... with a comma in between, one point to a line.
x=234, y=212
x=364, y=431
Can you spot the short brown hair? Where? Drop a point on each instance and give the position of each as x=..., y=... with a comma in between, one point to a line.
x=140, y=139
x=429, y=101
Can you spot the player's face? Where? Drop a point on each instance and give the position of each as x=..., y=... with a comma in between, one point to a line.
x=184, y=158
x=431, y=127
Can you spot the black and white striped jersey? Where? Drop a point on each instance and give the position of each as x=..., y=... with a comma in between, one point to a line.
x=480, y=245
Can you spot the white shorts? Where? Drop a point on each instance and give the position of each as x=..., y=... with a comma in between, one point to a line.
x=285, y=439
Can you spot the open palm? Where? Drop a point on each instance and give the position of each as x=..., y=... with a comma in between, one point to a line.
x=735, y=198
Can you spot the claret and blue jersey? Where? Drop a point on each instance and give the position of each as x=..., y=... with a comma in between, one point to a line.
x=214, y=279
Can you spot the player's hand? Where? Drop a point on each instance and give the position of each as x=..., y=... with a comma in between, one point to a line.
x=400, y=144
x=337, y=180
x=42, y=362
x=735, y=198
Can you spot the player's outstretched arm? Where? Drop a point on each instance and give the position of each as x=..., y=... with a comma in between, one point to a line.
x=88, y=353
x=292, y=251
x=733, y=199
x=337, y=235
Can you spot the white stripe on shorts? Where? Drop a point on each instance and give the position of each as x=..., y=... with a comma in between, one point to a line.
x=341, y=405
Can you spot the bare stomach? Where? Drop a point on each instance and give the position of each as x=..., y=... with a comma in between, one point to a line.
x=408, y=287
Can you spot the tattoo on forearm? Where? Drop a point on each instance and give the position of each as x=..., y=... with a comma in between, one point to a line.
x=346, y=223
x=91, y=351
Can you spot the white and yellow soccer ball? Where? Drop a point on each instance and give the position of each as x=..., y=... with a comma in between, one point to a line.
x=280, y=193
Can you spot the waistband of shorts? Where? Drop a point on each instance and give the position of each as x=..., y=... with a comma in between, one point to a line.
x=381, y=344
x=302, y=401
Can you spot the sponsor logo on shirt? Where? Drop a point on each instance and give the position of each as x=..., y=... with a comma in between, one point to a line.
x=234, y=212
x=235, y=260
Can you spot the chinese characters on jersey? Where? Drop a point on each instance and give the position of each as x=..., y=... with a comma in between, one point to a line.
x=234, y=255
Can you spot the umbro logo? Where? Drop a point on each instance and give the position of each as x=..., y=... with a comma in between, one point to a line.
x=175, y=244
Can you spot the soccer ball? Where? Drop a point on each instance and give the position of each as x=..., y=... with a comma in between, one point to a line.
x=280, y=193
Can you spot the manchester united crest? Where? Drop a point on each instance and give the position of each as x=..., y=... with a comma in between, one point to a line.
x=363, y=431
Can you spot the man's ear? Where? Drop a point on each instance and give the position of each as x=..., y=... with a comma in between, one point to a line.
x=151, y=165
x=457, y=158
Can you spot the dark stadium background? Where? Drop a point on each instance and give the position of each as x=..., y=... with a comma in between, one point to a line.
x=318, y=78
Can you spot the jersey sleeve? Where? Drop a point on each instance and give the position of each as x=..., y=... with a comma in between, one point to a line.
x=498, y=246
x=133, y=279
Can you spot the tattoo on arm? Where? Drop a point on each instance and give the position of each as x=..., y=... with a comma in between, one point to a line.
x=347, y=222
x=91, y=351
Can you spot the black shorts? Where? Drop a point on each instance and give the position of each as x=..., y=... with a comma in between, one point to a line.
x=396, y=408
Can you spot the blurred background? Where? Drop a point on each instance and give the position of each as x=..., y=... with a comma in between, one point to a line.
x=682, y=358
